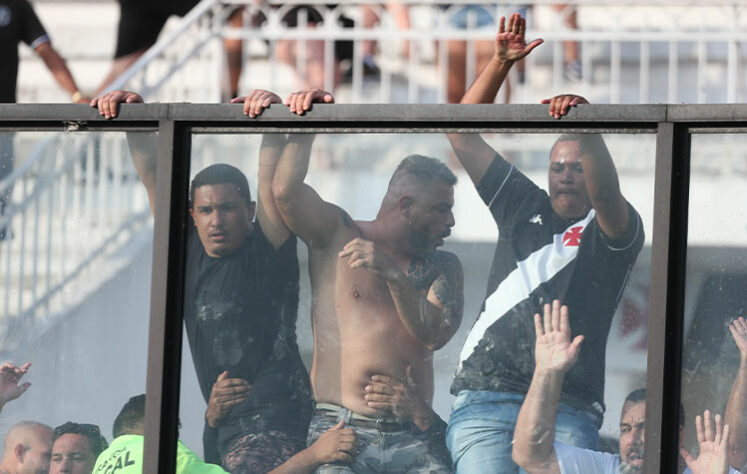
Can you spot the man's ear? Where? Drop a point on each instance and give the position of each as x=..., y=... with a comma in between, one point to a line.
x=405, y=205
x=19, y=451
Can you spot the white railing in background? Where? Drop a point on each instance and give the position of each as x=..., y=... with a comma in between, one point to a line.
x=77, y=214
x=631, y=52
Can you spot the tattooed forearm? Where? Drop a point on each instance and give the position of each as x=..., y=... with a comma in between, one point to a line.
x=448, y=288
x=421, y=272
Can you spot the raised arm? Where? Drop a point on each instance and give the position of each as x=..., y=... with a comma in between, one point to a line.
x=510, y=46
x=600, y=175
x=429, y=308
x=555, y=354
x=712, y=458
x=736, y=408
x=273, y=226
x=143, y=146
x=305, y=213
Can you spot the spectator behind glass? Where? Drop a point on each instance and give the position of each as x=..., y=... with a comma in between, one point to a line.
x=76, y=447
x=386, y=289
x=241, y=305
x=27, y=449
x=125, y=454
x=534, y=445
x=597, y=236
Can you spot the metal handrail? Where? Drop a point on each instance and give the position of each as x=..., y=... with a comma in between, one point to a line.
x=57, y=172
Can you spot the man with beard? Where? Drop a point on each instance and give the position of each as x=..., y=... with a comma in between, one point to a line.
x=383, y=298
x=534, y=445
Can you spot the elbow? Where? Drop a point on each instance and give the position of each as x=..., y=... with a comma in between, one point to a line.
x=282, y=192
x=525, y=460
x=521, y=458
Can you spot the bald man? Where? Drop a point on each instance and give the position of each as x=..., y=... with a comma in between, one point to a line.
x=28, y=447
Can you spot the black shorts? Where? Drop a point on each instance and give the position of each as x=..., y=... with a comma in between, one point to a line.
x=141, y=21
x=343, y=49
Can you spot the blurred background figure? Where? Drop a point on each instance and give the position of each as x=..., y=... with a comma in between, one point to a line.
x=76, y=447
x=27, y=448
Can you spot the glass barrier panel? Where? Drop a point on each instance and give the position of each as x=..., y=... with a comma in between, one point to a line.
x=75, y=264
x=409, y=293
x=715, y=334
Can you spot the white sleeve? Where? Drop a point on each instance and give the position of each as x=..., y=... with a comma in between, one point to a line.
x=731, y=471
x=573, y=460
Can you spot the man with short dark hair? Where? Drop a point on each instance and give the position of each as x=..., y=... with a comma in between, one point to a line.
x=577, y=241
x=534, y=446
x=240, y=308
x=383, y=298
x=75, y=448
x=27, y=449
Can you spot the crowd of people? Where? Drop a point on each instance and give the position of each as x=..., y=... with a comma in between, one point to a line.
x=529, y=389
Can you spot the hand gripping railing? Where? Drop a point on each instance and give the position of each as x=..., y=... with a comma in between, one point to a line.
x=76, y=206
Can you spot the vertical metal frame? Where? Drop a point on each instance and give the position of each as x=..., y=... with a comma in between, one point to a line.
x=666, y=300
x=167, y=290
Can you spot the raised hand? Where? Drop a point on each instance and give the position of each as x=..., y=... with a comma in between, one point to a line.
x=300, y=101
x=226, y=394
x=738, y=328
x=510, y=44
x=10, y=375
x=363, y=253
x=713, y=447
x=560, y=104
x=337, y=444
x=256, y=101
x=554, y=351
x=109, y=102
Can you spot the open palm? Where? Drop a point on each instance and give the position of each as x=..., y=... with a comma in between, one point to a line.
x=712, y=458
x=510, y=44
x=554, y=350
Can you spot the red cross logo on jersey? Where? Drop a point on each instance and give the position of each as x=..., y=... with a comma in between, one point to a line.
x=572, y=237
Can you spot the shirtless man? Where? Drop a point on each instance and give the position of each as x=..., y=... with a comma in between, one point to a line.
x=383, y=298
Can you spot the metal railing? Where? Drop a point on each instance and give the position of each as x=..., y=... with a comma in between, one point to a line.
x=655, y=51
x=76, y=204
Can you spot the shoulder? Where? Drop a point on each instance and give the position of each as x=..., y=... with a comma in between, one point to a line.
x=446, y=261
x=573, y=459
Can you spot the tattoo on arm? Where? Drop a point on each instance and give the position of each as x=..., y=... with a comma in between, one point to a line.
x=422, y=272
x=449, y=287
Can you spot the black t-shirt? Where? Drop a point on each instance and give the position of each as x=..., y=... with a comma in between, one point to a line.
x=541, y=257
x=240, y=313
x=18, y=22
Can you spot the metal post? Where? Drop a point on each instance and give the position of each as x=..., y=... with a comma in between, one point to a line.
x=165, y=330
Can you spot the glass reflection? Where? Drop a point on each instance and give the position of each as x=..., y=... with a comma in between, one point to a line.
x=385, y=300
x=75, y=258
x=714, y=351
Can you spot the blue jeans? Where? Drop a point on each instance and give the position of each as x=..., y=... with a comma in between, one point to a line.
x=481, y=429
